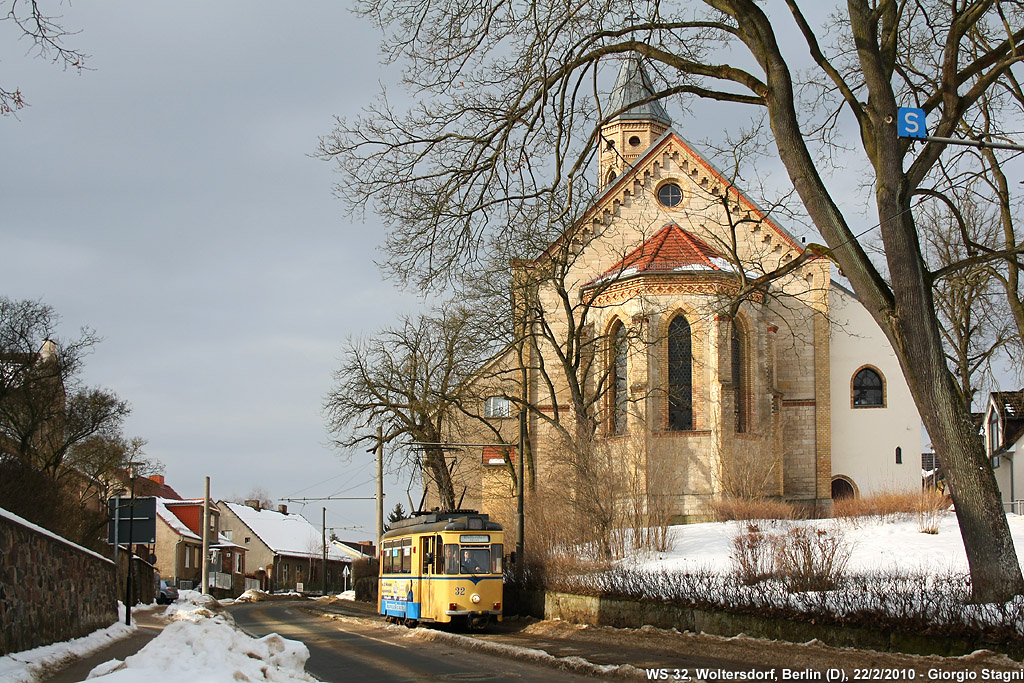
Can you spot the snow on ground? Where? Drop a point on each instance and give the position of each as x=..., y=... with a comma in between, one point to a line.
x=24, y=667
x=200, y=644
x=876, y=545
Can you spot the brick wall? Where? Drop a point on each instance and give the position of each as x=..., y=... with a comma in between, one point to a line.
x=50, y=589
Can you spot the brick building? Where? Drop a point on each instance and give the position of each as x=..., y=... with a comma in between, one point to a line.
x=792, y=393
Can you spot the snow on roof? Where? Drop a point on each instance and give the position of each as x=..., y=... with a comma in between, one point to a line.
x=670, y=250
x=285, y=534
x=46, y=532
x=172, y=520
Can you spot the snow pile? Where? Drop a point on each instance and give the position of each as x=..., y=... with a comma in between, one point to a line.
x=203, y=644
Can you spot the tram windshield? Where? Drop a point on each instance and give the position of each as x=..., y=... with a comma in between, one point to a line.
x=470, y=559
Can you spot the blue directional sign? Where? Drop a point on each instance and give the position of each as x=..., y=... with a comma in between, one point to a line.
x=910, y=123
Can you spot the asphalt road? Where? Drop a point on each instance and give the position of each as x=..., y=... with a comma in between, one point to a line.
x=359, y=649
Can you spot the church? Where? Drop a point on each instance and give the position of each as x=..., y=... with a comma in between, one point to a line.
x=698, y=383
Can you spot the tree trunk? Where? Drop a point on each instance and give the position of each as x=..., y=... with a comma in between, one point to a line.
x=434, y=466
x=905, y=311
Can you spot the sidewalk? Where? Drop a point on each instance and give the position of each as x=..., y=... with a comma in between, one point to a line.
x=150, y=625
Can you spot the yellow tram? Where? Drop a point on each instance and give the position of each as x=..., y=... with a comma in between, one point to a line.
x=440, y=567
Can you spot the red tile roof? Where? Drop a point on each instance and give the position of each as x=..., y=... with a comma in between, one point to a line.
x=670, y=249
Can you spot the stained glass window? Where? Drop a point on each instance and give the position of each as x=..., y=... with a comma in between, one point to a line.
x=738, y=379
x=619, y=386
x=680, y=375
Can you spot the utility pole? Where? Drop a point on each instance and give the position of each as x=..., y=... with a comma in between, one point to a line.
x=380, y=486
x=206, y=538
x=323, y=589
x=520, y=494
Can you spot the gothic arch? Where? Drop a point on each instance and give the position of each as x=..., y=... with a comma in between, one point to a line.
x=679, y=376
x=740, y=363
x=617, y=345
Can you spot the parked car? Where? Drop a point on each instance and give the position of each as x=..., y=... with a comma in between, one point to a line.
x=166, y=593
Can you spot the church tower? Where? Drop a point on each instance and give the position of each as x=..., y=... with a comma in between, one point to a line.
x=630, y=133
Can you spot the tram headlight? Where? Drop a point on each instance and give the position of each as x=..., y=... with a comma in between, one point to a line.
x=475, y=598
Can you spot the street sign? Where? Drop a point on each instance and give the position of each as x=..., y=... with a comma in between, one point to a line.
x=910, y=123
x=141, y=522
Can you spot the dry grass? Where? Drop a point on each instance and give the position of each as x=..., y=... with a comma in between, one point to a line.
x=742, y=509
x=925, y=506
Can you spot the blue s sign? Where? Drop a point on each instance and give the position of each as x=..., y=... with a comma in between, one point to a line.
x=910, y=122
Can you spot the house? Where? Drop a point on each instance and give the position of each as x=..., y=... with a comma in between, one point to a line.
x=179, y=548
x=1003, y=430
x=284, y=551
x=793, y=392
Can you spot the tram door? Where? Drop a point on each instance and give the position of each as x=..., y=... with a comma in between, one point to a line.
x=426, y=570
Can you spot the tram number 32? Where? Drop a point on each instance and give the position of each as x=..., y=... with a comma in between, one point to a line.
x=460, y=590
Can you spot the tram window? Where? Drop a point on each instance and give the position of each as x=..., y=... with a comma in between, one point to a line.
x=425, y=568
x=474, y=560
x=451, y=558
x=495, y=558
x=385, y=558
x=438, y=556
x=406, y=555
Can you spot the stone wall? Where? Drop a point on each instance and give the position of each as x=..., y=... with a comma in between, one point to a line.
x=618, y=613
x=51, y=590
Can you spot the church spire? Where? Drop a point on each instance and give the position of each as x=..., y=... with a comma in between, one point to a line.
x=633, y=85
x=635, y=128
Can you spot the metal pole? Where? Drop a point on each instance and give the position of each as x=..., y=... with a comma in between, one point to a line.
x=380, y=486
x=206, y=538
x=131, y=534
x=323, y=590
x=520, y=495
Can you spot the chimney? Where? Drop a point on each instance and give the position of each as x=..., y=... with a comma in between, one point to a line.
x=254, y=504
x=282, y=508
x=158, y=478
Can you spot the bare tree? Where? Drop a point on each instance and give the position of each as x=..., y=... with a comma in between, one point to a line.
x=513, y=114
x=407, y=380
x=46, y=35
x=51, y=425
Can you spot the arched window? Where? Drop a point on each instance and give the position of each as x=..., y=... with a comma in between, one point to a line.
x=740, y=404
x=868, y=390
x=680, y=375
x=619, y=382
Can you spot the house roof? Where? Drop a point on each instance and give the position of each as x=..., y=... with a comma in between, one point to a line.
x=171, y=519
x=164, y=511
x=670, y=250
x=1010, y=403
x=285, y=534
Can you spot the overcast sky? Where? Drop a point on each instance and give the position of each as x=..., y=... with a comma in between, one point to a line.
x=167, y=199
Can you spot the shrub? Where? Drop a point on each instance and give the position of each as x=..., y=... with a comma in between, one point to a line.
x=752, y=555
x=731, y=508
x=888, y=505
x=810, y=559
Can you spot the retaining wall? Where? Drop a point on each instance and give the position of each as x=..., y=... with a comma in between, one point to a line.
x=51, y=590
x=583, y=609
